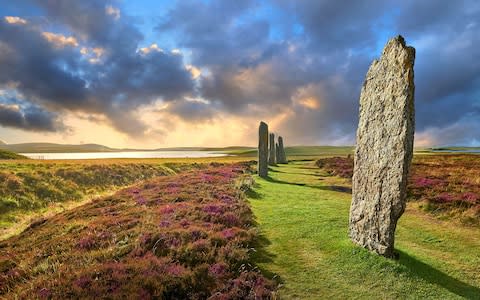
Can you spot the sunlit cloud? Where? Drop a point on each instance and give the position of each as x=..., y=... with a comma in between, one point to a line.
x=152, y=47
x=112, y=11
x=12, y=107
x=60, y=40
x=196, y=72
x=15, y=20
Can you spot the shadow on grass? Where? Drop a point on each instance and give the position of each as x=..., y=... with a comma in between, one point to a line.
x=300, y=160
x=434, y=276
x=251, y=193
x=262, y=256
x=335, y=188
x=300, y=173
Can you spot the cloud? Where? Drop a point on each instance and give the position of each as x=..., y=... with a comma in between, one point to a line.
x=59, y=40
x=93, y=66
x=312, y=75
x=298, y=64
x=113, y=11
x=463, y=132
x=192, y=110
x=15, y=20
x=31, y=119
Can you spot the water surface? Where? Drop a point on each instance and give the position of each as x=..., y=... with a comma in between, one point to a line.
x=125, y=154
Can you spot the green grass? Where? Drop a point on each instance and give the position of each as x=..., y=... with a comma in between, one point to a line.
x=4, y=154
x=296, y=152
x=303, y=223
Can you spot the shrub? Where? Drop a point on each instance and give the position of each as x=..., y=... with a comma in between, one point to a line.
x=142, y=242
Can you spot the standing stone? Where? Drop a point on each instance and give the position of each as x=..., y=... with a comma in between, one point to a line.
x=277, y=152
x=384, y=148
x=282, y=159
x=271, y=155
x=263, y=150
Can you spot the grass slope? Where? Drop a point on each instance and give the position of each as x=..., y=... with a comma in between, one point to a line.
x=303, y=217
x=28, y=189
x=32, y=189
x=4, y=154
x=185, y=236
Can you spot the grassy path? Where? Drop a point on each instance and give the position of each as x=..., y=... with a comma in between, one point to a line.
x=303, y=217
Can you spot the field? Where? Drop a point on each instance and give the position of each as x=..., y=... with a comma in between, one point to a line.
x=33, y=189
x=302, y=213
x=447, y=186
x=28, y=188
x=194, y=228
x=184, y=236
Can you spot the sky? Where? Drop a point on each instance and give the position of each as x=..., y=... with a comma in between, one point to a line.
x=156, y=73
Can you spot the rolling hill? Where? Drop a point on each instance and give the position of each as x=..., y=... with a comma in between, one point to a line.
x=51, y=147
x=10, y=155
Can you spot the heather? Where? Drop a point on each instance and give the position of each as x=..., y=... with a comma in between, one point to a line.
x=184, y=236
x=445, y=185
x=29, y=187
x=337, y=166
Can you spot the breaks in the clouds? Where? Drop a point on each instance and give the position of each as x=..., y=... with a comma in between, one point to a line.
x=91, y=64
x=297, y=64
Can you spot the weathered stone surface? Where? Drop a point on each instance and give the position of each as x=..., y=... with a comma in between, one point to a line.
x=272, y=155
x=384, y=148
x=263, y=150
x=277, y=152
x=282, y=159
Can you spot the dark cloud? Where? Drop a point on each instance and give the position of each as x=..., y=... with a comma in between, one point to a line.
x=337, y=26
x=111, y=77
x=302, y=60
x=91, y=21
x=335, y=41
x=191, y=110
x=252, y=74
x=31, y=119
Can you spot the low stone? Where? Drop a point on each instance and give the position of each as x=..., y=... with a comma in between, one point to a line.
x=277, y=152
x=272, y=155
x=282, y=159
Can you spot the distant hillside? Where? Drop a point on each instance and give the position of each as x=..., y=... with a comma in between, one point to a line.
x=54, y=148
x=60, y=148
x=2, y=142
x=10, y=155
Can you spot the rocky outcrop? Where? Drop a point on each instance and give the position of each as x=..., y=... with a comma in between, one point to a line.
x=271, y=153
x=282, y=158
x=263, y=150
x=384, y=148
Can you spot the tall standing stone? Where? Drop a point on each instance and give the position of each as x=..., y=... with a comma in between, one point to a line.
x=263, y=150
x=283, y=157
x=272, y=155
x=384, y=148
